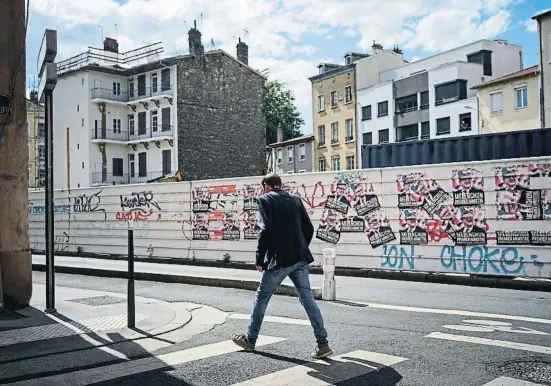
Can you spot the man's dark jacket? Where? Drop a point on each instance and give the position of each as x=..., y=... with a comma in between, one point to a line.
x=285, y=231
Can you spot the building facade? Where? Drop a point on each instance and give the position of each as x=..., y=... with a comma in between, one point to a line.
x=36, y=142
x=294, y=155
x=510, y=102
x=544, y=54
x=125, y=118
x=432, y=97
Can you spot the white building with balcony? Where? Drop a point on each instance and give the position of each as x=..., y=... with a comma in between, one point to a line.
x=114, y=117
x=432, y=98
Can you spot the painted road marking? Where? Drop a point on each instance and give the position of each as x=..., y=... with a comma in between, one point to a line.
x=110, y=372
x=273, y=319
x=491, y=326
x=491, y=342
x=327, y=372
x=456, y=312
x=506, y=381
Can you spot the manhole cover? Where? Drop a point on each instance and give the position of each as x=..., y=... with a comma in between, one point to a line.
x=99, y=300
x=6, y=315
x=537, y=371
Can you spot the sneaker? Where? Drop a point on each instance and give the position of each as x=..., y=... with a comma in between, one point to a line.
x=322, y=352
x=241, y=341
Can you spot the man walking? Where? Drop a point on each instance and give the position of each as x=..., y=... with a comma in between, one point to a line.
x=285, y=234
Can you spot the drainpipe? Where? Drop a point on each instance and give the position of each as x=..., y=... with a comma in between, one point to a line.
x=542, y=77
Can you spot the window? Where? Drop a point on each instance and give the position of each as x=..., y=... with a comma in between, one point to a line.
x=41, y=151
x=382, y=109
x=450, y=92
x=322, y=165
x=334, y=133
x=82, y=81
x=483, y=57
x=78, y=108
x=465, y=122
x=290, y=154
x=116, y=126
x=321, y=102
x=321, y=135
x=497, y=102
x=142, y=130
x=350, y=162
x=425, y=130
x=131, y=88
x=154, y=83
x=334, y=100
x=116, y=88
x=83, y=165
x=166, y=119
x=406, y=104
x=443, y=126
x=131, y=124
x=521, y=94
x=367, y=138
x=141, y=85
x=117, y=167
x=366, y=113
x=348, y=94
x=142, y=164
x=302, y=151
x=165, y=79
x=279, y=156
x=82, y=122
x=154, y=121
x=424, y=100
x=167, y=162
x=336, y=163
x=41, y=129
x=349, y=130
x=407, y=133
x=132, y=165
x=384, y=136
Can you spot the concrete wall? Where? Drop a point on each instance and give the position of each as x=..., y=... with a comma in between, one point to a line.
x=368, y=69
x=372, y=96
x=544, y=37
x=412, y=85
x=512, y=118
x=510, y=231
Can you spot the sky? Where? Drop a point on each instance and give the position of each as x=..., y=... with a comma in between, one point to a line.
x=289, y=37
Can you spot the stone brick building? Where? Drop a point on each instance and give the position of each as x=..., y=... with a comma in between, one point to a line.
x=221, y=123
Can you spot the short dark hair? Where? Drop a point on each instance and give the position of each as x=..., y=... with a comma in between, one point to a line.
x=272, y=180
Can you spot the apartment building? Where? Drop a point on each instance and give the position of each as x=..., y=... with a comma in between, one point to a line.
x=510, y=102
x=36, y=142
x=433, y=97
x=132, y=117
x=544, y=54
x=335, y=106
x=294, y=155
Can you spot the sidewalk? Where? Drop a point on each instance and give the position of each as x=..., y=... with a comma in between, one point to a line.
x=90, y=327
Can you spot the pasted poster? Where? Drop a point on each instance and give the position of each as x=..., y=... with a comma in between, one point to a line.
x=514, y=198
x=513, y=238
x=468, y=187
x=352, y=198
x=200, y=226
x=444, y=223
x=251, y=229
x=417, y=190
x=329, y=229
x=200, y=199
x=471, y=226
x=413, y=223
x=378, y=230
x=541, y=238
x=224, y=226
x=250, y=194
x=546, y=204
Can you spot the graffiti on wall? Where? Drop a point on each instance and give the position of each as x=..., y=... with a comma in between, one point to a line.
x=138, y=206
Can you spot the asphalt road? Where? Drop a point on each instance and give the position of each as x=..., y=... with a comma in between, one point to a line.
x=431, y=334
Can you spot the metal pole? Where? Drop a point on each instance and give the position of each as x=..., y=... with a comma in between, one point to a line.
x=329, y=290
x=131, y=296
x=49, y=198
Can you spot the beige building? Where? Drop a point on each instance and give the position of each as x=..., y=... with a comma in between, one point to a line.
x=544, y=54
x=510, y=102
x=36, y=142
x=334, y=113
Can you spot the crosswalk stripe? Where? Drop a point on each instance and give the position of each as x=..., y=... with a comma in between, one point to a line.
x=506, y=381
x=273, y=319
x=106, y=373
x=491, y=342
x=327, y=372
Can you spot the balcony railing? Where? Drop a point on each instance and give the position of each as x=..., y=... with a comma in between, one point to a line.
x=99, y=178
x=132, y=95
x=106, y=93
x=135, y=135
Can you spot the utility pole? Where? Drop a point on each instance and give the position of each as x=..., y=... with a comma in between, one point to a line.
x=15, y=255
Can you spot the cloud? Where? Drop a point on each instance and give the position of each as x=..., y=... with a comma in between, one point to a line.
x=308, y=50
x=532, y=25
x=329, y=37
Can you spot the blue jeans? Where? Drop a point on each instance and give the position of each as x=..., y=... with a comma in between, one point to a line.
x=269, y=283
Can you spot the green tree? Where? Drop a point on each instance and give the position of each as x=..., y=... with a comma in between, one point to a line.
x=280, y=109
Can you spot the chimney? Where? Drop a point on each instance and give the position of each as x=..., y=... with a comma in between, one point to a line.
x=34, y=97
x=397, y=50
x=111, y=45
x=242, y=52
x=279, y=135
x=195, y=46
x=376, y=48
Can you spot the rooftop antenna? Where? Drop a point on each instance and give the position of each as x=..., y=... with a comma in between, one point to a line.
x=246, y=32
x=116, y=31
x=212, y=43
x=185, y=24
x=101, y=32
x=201, y=21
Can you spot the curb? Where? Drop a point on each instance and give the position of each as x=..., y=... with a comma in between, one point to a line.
x=427, y=277
x=249, y=285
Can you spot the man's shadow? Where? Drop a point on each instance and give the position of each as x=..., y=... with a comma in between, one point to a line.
x=352, y=371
